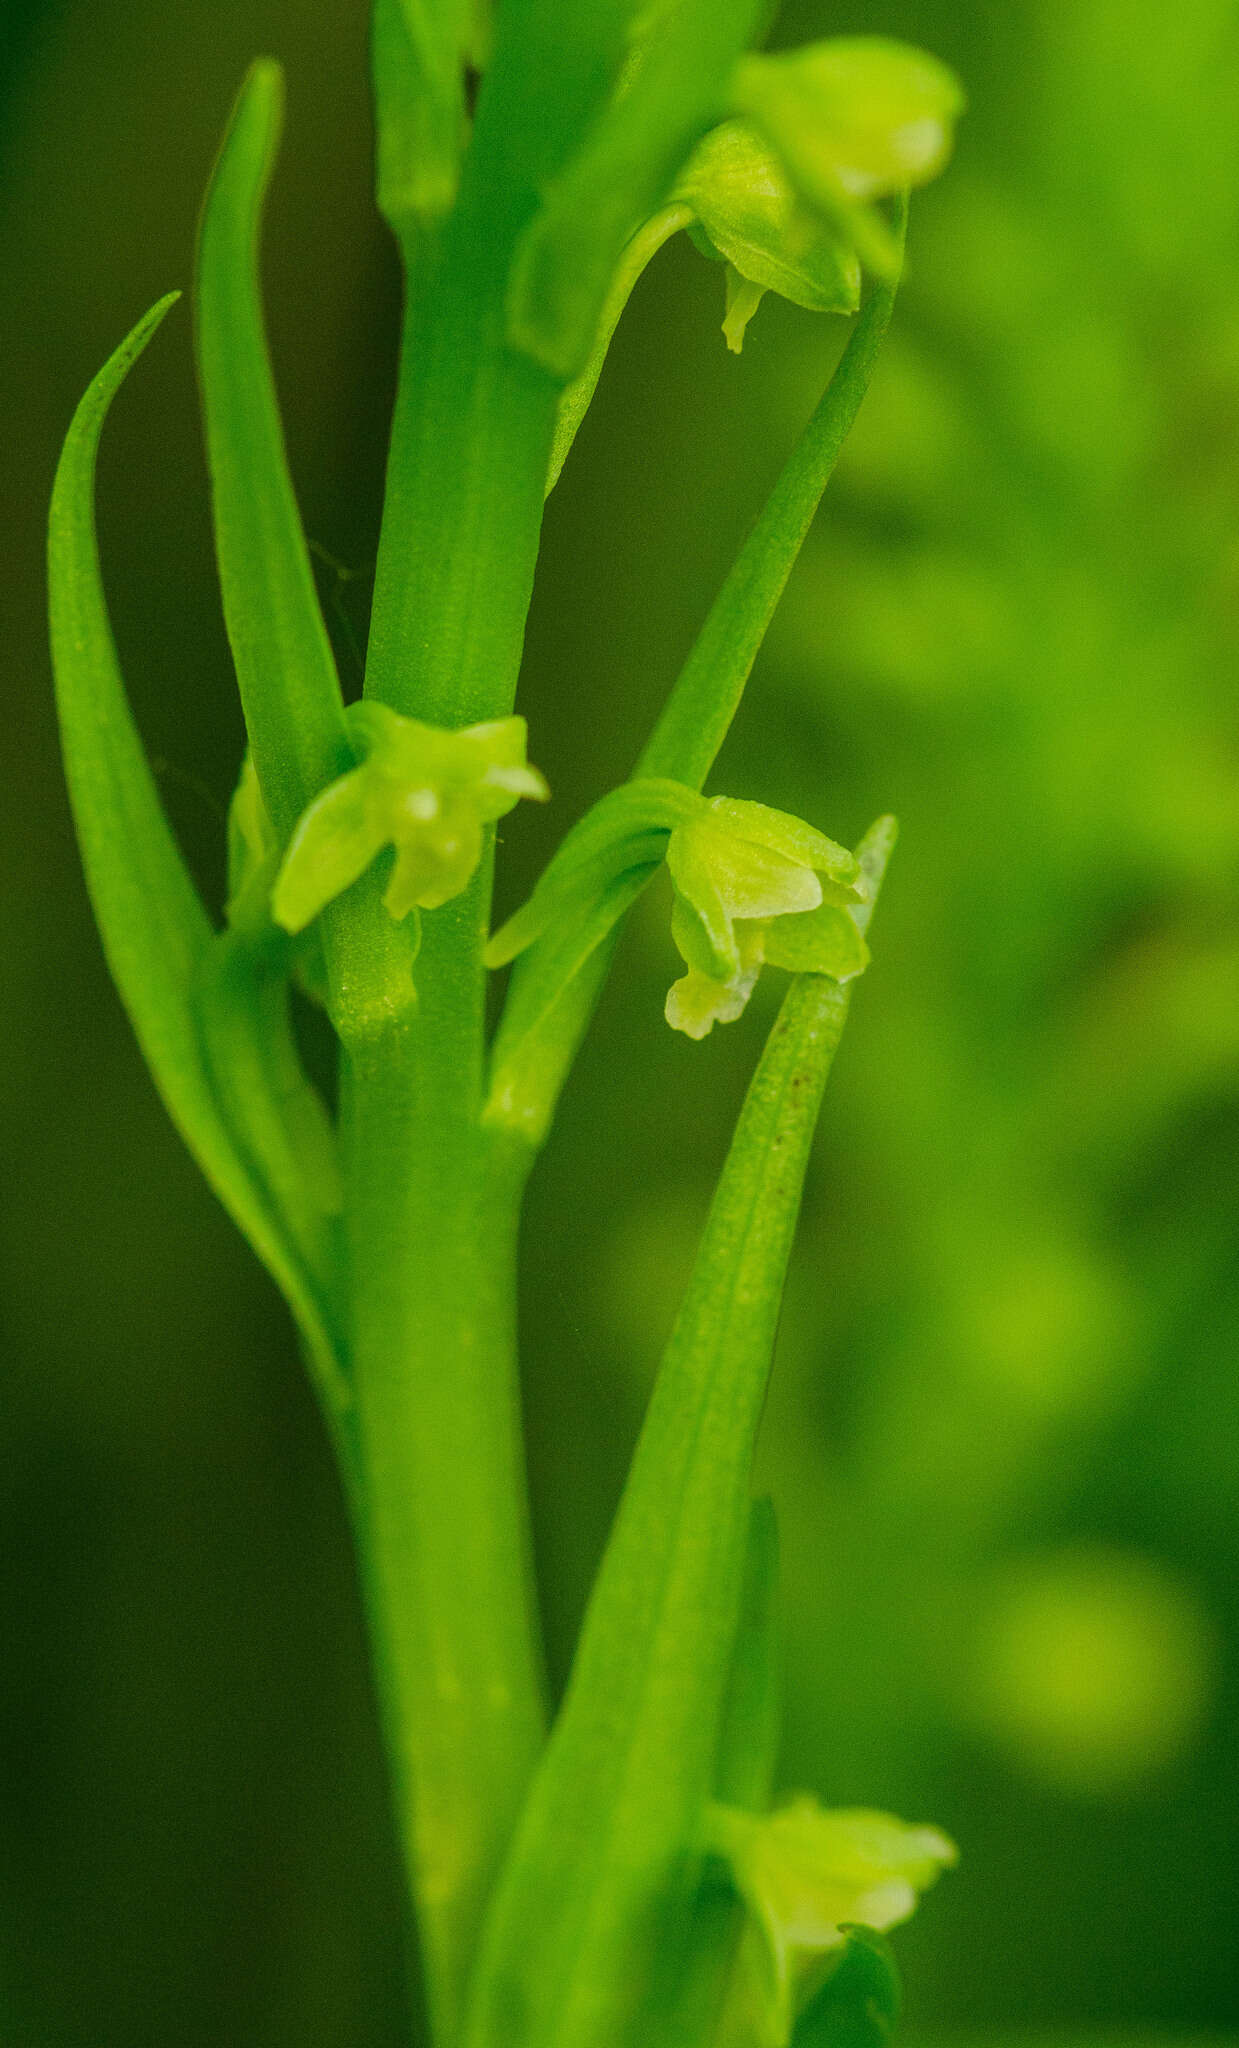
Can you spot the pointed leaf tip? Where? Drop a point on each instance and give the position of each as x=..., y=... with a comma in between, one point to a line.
x=156, y=935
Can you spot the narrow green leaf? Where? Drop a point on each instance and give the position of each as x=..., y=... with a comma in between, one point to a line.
x=695, y=1998
x=749, y=1737
x=277, y=1117
x=551, y=1000
x=599, y=844
x=289, y=688
x=602, y=1867
x=574, y=402
x=707, y=694
x=155, y=932
x=567, y=926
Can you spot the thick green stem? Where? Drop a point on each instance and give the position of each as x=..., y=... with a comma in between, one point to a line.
x=431, y=1205
x=432, y=1221
x=464, y=504
x=443, y=1526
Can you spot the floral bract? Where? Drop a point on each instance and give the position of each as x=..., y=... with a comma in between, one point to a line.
x=754, y=885
x=422, y=790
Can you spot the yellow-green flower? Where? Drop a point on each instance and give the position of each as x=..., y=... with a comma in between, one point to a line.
x=426, y=792
x=752, y=886
x=806, y=1874
x=748, y=214
x=852, y=119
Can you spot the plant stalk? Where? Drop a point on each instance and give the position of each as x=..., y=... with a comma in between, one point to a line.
x=443, y=1516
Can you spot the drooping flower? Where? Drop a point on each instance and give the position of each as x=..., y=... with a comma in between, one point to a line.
x=852, y=119
x=748, y=215
x=752, y=885
x=421, y=789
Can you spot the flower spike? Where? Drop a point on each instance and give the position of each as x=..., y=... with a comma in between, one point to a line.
x=423, y=790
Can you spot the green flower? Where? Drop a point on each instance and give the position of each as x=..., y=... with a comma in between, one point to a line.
x=753, y=886
x=853, y=119
x=748, y=215
x=424, y=791
x=807, y=1874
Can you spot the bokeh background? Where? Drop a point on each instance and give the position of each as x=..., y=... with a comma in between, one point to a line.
x=1004, y=1431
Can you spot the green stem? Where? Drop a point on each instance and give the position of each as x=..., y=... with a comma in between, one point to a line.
x=432, y=1222
x=443, y=1526
x=431, y=1206
x=463, y=510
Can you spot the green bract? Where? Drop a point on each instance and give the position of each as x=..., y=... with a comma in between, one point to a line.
x=808, y=1875
x=749, y=214
x=852, y=120
x=426, y=792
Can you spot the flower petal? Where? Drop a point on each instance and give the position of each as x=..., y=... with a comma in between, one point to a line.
x=704, y=919
x=753, y=881
x=435, y=862
x=781, y=833
x=821, y=941
x=334, y=843
x=696, y=1003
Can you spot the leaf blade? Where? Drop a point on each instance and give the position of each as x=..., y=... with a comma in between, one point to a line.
x=290, y=691
x=707, y=693
x=602, y=1863
x=156, y=935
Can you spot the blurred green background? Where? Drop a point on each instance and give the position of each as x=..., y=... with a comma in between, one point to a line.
x=1004, y=1431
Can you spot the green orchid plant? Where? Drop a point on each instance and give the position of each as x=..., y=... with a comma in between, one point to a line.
x=613, y=1872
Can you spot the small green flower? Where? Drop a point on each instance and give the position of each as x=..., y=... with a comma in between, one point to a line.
x=747, y=214
x=807, y=1874
x=752, y=886
x=853, y=119
x=424, y=791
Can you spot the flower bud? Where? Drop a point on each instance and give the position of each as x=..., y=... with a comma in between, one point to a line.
x=807, y=1874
